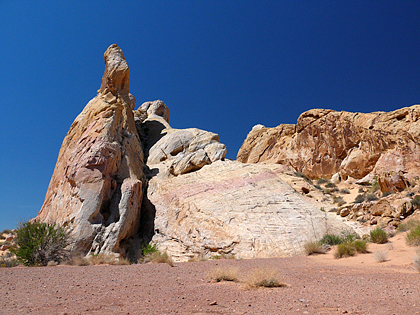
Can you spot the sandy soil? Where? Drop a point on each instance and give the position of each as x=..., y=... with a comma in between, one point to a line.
x=316, y=285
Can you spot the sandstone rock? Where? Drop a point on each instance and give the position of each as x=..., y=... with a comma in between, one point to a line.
x=344, y=212
x=381, y=207
x=9, y=238
x=233, y=208
x=181, y=150
x=325, y=142
x=383, y=221
x=391, y=181
x=4, y=247
x=402, y=208
x=336, y=178
x=96, y=187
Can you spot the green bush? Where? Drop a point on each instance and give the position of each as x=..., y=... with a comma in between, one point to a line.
x=378, y=236
x=371, y=197
x=148, y=249
x=413, y=237
x=416, y=201
x=331, y=239
x=375, y=186
x=360, y=246
x=359, y=199
x=345, y=250
x=37, y=243
x=348, y=236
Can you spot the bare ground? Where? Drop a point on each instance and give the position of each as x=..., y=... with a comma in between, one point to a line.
x=316, y=285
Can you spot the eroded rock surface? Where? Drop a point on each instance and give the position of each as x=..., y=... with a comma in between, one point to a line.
x=325, y=142
x=97, y=185
x=233, y=208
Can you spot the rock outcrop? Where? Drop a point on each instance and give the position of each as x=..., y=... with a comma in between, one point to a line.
x=325, y=142
x=228, y=207
x=124, y=177
x=97, y=185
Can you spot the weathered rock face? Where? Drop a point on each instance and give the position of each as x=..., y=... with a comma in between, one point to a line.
x=325, y=142
x=97, y=185
x=181, y=150
x=234, y=208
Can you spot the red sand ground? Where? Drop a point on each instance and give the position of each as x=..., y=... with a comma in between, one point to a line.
x=317, y=285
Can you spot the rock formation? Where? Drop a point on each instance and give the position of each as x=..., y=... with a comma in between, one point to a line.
x=97, y=185
x=325, y=142
x=124, y=177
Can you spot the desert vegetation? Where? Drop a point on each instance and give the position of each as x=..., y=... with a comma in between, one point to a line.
x=378, y=236
x=37, y=243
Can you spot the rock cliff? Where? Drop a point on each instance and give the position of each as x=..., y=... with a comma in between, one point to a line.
x=326, y=142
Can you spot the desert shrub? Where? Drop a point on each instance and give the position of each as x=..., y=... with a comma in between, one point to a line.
x=416, y=201
x=305, y=177
x=348, y=236
x=409, y=225
x=375, y=186
x=104, y=259
x=344, y=191
x=371, y=197
x=7, y=231
x=387, y=193
x=331, y=239
x=330, y=185
x=37, y=243
x=380, y=256
x=2, y=237
x=263, y=277
x=148, y=249
x=416, y=262
x=413, y=237
x=360, y=246
x=159, y=257
x=378, y=236
x=327, y=191
x=223, y=274
x=321, y=181
x=359, y=199
x=344, y=250
x=313, y=247
x=318, y=187
x=8, y=263
x=339, y=200
x=361, y=190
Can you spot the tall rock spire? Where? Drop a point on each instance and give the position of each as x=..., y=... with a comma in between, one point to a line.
x=97, y=185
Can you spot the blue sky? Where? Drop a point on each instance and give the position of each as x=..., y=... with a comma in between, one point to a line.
x=221, y=66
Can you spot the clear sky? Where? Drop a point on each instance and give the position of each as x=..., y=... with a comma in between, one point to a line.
x=221, y=66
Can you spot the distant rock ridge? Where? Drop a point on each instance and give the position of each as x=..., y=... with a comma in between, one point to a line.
x=326, y=142
x=125, y=177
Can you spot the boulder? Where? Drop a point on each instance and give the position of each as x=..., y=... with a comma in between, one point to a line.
x=391, y=181
x=380, y=208
x=325, y=142
x=9, y=238
x=97, y=185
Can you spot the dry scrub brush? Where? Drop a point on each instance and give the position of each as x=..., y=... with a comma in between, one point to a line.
x=263, y=277
x=416, y=261
x=223, y=274
x=380, y=256
x=313, y=247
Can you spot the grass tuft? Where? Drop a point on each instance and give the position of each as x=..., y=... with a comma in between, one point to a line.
x=313, y=247
x=345, y=250
x=263, y=277
x=380, y=256
x=223, y=274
